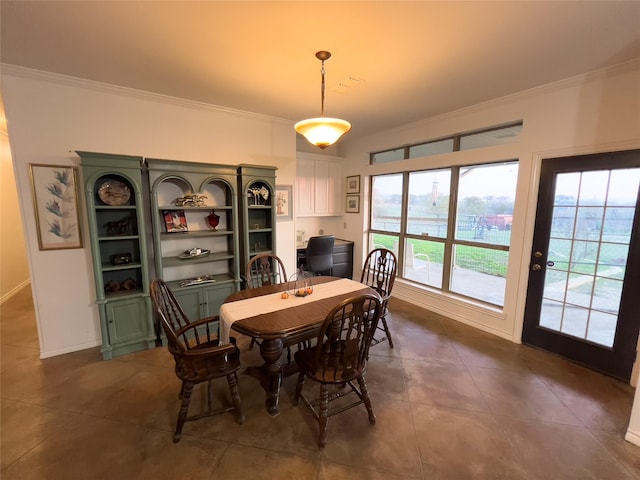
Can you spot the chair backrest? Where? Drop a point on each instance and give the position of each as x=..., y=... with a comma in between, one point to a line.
x=342, y=348
x=379, y=271
x=319, y=254
x=182, y=334
x=265, y=269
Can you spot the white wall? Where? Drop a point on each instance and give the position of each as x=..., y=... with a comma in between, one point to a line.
x=587, y=114
x=14, y=270
x=50, y=117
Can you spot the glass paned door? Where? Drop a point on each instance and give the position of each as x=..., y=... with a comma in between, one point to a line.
x=592, y=220
x=583, y=275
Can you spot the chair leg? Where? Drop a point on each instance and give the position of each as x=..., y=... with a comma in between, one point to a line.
x=232, y=380
x=186, y=391
x=386, y=330
x=296, y=396
x=365, y=398
x=385, y=326
x=323, y=414
x=253, y=342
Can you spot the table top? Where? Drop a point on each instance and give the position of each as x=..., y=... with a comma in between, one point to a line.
x=299, y=316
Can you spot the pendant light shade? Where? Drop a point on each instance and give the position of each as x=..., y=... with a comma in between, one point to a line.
x=322, y=131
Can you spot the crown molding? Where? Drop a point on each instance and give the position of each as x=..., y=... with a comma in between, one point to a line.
x=76, y=82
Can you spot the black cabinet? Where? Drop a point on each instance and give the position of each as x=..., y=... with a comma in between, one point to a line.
x=342, y=258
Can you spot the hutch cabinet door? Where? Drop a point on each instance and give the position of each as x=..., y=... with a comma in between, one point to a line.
x=126, y=320
x=214, y=297
x=191, y=302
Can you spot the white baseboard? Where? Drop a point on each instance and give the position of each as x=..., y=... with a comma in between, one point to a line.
x=14, y=291
x=633, y=437
x=74, y=348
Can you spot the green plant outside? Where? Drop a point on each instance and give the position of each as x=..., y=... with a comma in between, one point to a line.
x=471, y=258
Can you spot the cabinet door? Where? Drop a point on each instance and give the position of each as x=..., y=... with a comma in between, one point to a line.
x=305, y=186
x=191, y=302
x=343, y=260
x=319, y=186
x=334, y=188
x=126, y=320
x=323, y=182
x=214, y=297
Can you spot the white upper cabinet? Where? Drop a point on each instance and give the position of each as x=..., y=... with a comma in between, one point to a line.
x=318, y=185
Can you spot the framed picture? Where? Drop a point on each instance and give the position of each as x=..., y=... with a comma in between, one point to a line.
x=353, y=204
x=353, y=184
x=284, y=202
x=55, y=200
x=175, y=221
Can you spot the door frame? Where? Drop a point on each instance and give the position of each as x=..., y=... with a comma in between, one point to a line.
x=532, y=214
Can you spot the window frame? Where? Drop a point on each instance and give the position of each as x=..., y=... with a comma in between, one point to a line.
x=450, y=241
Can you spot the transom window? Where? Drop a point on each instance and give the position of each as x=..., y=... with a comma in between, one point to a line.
x=462, y=141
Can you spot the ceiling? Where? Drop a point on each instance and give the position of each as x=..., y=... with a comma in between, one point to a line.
x=393, y=62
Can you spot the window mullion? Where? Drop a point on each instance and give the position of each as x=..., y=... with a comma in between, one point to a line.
x=451, y=229
x=403, y=220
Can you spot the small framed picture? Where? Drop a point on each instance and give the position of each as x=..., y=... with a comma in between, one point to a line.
x=353, y=184
x=353, y=204
x=284, y=202
x=55, y=200
x=175, y=221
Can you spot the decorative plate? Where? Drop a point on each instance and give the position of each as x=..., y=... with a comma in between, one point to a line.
x=114, y=193
x=194, y=253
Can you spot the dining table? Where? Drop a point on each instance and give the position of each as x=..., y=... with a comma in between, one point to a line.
x=278, y=318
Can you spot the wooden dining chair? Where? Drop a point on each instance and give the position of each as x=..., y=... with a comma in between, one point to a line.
x=379, y=272
x=265, y=269
x=339, y=359
x=198, y=355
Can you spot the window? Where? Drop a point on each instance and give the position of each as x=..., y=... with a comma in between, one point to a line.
x=431, y=148
x=488, y=138
x=461, y=141
x=388, y=156
x=386, y=204
x=456, y=242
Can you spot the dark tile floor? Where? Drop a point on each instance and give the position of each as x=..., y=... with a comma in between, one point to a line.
x=451, y=403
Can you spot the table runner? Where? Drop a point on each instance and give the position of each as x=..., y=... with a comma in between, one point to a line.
x=250, y=307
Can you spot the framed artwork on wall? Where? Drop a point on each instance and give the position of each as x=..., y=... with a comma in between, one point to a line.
x=55, y=201
x=353, y=184
x=353, y=204
x=284, y=202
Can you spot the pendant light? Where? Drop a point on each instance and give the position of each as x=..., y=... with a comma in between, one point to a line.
x=322, y=131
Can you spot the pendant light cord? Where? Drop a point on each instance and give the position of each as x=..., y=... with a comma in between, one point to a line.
x=322, y=91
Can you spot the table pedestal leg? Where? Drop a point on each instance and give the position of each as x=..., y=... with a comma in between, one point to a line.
x=271, y=350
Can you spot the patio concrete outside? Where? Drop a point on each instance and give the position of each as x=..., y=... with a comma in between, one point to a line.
x=572, y=320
